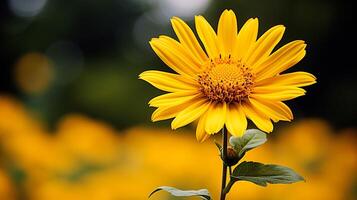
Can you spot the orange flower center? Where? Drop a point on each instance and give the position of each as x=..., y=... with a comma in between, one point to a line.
x=225, y=80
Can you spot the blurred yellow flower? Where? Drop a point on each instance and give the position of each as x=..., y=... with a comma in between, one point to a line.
x=87, y=139
x=6, y=187
x=86, y=159
x=237, y=77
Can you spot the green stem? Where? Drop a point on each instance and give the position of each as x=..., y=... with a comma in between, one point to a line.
x=224, y=168
x=229, y=185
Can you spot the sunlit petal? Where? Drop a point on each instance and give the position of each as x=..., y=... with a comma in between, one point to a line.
x=265, y=45
x=272, y=109
x=189, y=114
x=246, y=38
x=236, y=121
x=227, y=32
x=174, y=98
x=188, y=39
x=168, y=82
x=295, y=79
x=201, y=134
x=173, y=55
x=207, y=36
x=216, y=117
x=263, y=123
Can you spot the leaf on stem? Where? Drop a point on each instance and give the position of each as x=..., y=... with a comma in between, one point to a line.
x=262, y=174
x=202, y=193
x=251, y=139
x=219, y=146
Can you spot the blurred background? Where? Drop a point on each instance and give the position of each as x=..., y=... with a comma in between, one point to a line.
x=74, y=120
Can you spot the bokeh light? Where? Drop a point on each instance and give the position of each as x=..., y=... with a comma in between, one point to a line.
x=26, y=8
x=183, y=8
x=33, y=73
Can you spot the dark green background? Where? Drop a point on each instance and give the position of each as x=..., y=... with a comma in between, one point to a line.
x=97, y=75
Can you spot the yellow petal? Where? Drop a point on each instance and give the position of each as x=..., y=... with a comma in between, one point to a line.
x=227, y=32
x=168, y=82
x=284, y=53
x=296, y=79
x=201, y=134
x=216, y=117
x=272, y=109
x=282, y=93
x=174, y=98
x=236, y=121
x=207, y=36
x=257, y=118
x=281, y=60
x=183, y=54
x=270, y=89
x=188, y=39
x=279, y=106
x=167, y=112
x=189, y=114
x=246, y=38
x=170, y=111
x=174, y=56
x=284, y=108
x=265, y=45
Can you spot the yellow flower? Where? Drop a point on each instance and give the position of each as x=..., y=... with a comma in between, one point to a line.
x=6, y=187
x=237, y=77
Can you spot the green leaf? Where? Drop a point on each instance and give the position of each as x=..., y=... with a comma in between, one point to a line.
x=202, y=193
x=219, y=147
x=261, y=174
x=251, y=139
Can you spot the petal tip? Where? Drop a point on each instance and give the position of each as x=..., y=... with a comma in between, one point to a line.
x=140, y=76
x=174, y=124
x=174, y=20
x=198, y=17
x=200, y=139
x=226, y=11
x=173, y=128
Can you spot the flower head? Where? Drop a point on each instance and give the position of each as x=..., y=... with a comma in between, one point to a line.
x=237, y=76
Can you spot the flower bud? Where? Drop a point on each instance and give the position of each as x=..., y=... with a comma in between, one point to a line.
x=231, y=157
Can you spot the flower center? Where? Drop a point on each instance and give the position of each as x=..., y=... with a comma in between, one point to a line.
x=225, y=80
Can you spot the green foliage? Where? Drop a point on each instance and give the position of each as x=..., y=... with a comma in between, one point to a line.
x=251, y=139
x=202, y=193
x=255, y=172
x=262, y=174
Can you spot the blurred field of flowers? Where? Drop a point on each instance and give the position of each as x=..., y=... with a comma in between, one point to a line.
x=86, y=159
